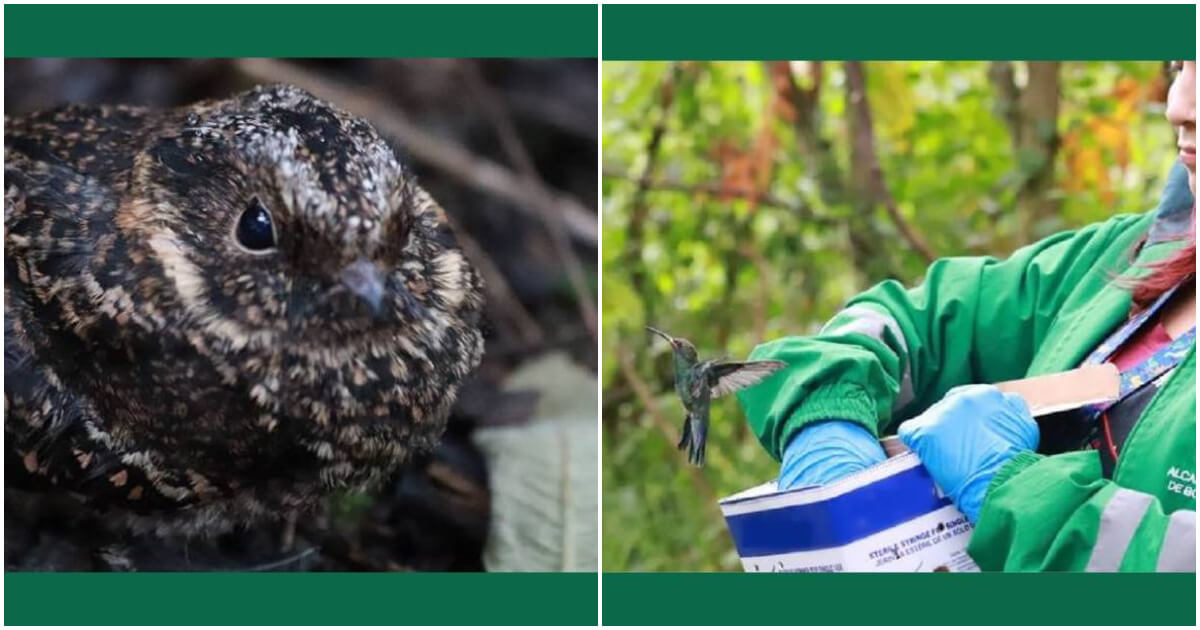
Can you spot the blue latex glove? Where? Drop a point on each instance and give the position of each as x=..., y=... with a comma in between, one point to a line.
x=966, y=437
x=827, y=451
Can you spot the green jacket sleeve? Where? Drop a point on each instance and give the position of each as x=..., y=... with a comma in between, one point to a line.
x=892, y=352
x=1058, y=513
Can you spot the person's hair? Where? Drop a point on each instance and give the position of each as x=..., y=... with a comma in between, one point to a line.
x=1164, y=274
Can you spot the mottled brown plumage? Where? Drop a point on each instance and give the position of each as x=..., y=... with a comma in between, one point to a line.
x=158, y=367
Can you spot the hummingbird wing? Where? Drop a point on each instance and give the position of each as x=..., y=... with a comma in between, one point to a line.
x=727, y=377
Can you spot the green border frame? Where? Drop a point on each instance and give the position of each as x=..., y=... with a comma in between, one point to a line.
x=377, y=30
x=923, y=599
x=899, y=32
x=632, y=32
x=304, y=31
x=300, y=599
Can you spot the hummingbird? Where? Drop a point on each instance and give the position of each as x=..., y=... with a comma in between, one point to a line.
x=698, y=382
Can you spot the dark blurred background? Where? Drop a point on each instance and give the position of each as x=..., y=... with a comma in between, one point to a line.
x=508, y=147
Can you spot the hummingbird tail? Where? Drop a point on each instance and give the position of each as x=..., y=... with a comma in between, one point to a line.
x=693, y=439
x=685, y=440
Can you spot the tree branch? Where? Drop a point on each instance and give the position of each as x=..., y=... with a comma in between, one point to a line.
x=718, y=191
x=1032, y=117
x=763, y=299
x=638, y=208
x=1037, y=142
x=864, y=148
x=1003, y=78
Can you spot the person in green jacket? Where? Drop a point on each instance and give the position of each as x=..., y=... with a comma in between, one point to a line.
x=1106, y=488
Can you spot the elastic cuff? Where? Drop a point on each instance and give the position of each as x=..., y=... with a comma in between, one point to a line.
x=1019, y=462
x=838, y=401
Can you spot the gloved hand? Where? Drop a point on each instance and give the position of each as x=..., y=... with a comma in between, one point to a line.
x=827, y=451
x=966, y=437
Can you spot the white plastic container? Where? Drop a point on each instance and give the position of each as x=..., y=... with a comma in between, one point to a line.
x=888, y=518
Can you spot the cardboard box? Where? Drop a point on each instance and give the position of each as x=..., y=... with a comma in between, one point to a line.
x=890, y=517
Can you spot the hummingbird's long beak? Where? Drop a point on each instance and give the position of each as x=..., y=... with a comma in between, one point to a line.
x=669, y=338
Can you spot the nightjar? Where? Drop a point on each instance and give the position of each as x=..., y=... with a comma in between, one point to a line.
x=218, y=314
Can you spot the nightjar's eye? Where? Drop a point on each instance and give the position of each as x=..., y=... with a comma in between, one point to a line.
x=254, y=229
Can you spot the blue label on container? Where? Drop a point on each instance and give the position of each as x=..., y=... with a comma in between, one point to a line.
x=838, y=520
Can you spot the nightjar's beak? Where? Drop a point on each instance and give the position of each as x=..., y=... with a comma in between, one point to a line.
x=363, y=279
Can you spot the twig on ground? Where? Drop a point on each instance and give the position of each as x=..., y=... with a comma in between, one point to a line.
x=557, y=113
x=289, y=531
x=279, y=564
x=499, y=116
x=500, y=295
x=563, y=336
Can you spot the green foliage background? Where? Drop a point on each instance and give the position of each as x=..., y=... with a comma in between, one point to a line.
x=728, y=272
